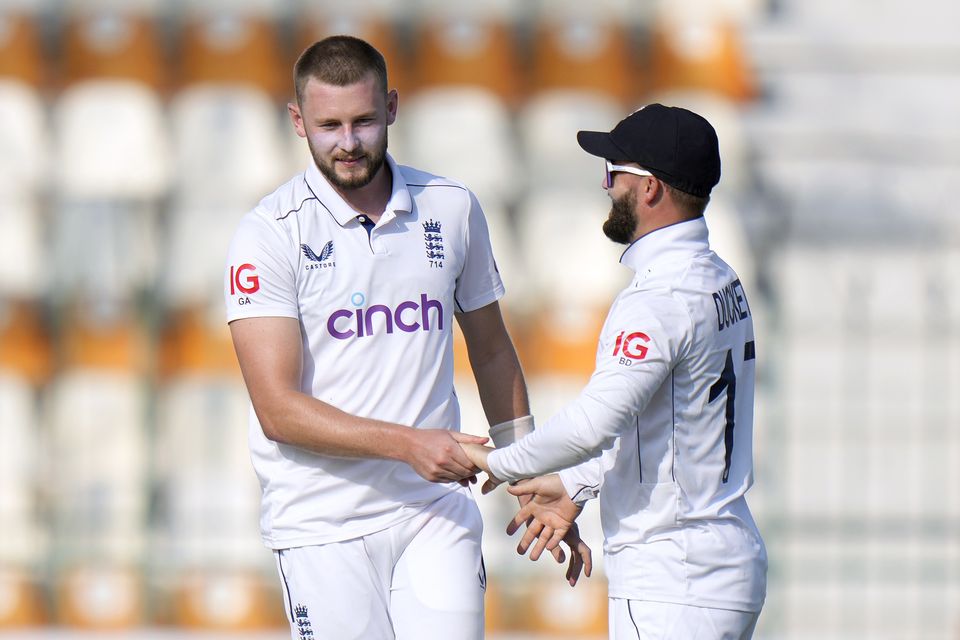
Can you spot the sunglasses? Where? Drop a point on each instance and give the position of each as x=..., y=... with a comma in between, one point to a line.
x=613, y=168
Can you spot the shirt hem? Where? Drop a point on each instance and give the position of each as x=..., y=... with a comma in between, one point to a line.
x=341, y=534
x=269, y=312
x=481, y=301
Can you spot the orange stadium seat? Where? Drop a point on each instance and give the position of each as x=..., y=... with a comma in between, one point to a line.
x=25, y=346
x=706, y=55
x=557, y=611
x=585, y=55
x=473, y=50
x=21, y=55
x=196, y=340
x=100, y=597
x=228, y=601
x=233, y=48
x=119, y=45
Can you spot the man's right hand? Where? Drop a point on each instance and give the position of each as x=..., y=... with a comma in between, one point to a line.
x=436, y=455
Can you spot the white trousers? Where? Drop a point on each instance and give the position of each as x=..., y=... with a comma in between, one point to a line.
x=645, y=620
x=420, y=580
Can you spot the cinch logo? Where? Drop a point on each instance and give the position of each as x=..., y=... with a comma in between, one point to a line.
x=629, y=347
x=409, y=316
x=248, y=284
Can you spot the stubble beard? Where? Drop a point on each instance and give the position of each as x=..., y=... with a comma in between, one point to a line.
x=621, y=224
x=375, y=161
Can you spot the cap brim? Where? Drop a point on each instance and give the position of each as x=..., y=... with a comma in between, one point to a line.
x=599, y=143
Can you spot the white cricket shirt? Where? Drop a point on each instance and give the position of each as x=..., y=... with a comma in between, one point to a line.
x=376, y=313
x=664, y=431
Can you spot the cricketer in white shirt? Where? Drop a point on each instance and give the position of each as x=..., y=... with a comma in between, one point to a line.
x=376, y=314
x=663, y=431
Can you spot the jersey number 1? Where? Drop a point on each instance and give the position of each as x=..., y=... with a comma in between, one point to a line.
x=728, y=383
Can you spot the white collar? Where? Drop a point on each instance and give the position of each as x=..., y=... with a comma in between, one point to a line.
x=399, y=201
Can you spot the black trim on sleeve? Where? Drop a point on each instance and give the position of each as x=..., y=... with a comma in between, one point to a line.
x=750, y=351
x=581, y=490
x=639, y=461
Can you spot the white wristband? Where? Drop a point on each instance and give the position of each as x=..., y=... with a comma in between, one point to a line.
x=506, y=433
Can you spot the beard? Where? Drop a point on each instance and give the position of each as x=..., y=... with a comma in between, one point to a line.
x=621, y=223
x=375, y=160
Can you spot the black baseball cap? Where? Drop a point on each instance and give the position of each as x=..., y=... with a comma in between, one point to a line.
x=674, y=144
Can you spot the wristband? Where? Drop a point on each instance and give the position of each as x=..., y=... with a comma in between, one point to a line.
x=506, y=433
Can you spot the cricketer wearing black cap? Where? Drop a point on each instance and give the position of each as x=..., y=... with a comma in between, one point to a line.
x=662, y=433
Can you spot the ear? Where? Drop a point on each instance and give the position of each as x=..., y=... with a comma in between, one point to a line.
x=393, y=99
x=651, y=191
x=297, y=118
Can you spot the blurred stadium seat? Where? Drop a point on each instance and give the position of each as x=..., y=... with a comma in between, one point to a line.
x=464, y=133
x=111, y=156
x=584, y=50
x=576, y=274
x=467, y=44
x=26, y=543
x=547, y=126
x=704, y=53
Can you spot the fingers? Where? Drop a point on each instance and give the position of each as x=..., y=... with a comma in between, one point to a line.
x=574, y=568
x=491, y=483
x=529, y=536
x=522, y=517
x=587, y=558
x=558, y=554
x=546, y=534
x=524, y=488
x=466, y=437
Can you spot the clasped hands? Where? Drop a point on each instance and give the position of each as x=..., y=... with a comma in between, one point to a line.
x=547, y=511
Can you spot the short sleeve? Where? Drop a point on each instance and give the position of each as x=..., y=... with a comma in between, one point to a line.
x=260, y=280
x=479, y=282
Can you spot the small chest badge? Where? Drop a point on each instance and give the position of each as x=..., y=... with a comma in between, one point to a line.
x=322, y=261
x=433, y=243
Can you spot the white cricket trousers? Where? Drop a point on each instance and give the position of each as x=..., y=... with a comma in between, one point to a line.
x=422, y=579
x=645, y=620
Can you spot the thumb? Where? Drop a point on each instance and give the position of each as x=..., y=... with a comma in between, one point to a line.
x=524, y=487
x=469, y=439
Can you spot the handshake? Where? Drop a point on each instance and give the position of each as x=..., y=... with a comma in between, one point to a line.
x=547, y=511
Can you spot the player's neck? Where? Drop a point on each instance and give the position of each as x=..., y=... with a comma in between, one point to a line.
x=371, y=200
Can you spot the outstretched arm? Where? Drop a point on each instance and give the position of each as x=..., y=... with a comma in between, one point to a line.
x=269, y=350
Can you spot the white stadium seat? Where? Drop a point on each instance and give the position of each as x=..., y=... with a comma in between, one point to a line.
x=548, y=125
x=228, y=146
x=21, y=248
x=465, y=134
x=572, y=263
x=23, y=140
x=99, y=478
x=204, y=472
x=112, y=142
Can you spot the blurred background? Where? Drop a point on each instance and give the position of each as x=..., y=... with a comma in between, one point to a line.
x=134, y=134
